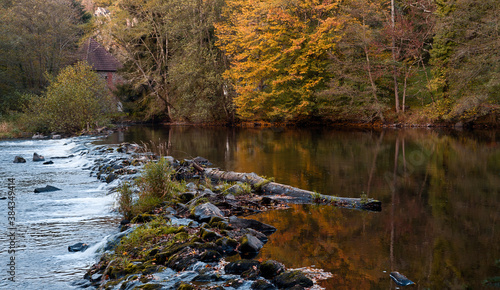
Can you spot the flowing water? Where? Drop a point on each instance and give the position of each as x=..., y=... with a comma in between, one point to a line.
x=440, y=223
x=46, y=224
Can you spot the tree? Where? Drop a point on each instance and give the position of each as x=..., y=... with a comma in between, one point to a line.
x=466, y=59
x=357, y=90
x=77, y=99
x=167, y=48
x=279, y=53
x=37, y=37
x=411, y=34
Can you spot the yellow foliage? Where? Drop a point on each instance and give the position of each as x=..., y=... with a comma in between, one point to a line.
x=279, y=53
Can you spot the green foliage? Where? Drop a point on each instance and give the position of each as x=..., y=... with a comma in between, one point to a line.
x=156, y=181
x=169, y=57
x=76, y=99
x=125, y=201
x=145, y=236
x=36, y=36
x=465, y=57
x=155, y=187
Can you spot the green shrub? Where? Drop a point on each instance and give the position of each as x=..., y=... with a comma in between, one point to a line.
x=76, y=99
x=125, y=201
x=157, y=181
x=156, y=186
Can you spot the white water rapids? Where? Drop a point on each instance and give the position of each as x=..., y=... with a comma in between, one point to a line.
x=47, y=223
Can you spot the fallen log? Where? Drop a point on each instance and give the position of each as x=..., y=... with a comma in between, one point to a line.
x=293, y=194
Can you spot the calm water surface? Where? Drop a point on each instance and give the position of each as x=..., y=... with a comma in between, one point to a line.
x=440, y=224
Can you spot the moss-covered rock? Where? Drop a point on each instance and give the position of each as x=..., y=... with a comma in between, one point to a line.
x=210, y=256
x=241, y=266
x=270, y=269
x=290, y=279
x=143, y=218
x=185, y=286
x=209, y=236
x=226, y=246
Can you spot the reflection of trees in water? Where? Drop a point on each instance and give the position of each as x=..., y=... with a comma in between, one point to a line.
x=443, y=226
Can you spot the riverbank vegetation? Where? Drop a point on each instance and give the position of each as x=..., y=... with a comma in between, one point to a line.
x=281, y=62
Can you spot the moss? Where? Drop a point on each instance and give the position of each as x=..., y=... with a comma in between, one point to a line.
x=258, y=186
x=182, y=236
x=185, y=286
x=215, y=219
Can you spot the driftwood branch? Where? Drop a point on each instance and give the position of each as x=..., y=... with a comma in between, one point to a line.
x=292, y=194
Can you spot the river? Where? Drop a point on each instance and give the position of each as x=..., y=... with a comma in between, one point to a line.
x=46, y=224
x=439, y=223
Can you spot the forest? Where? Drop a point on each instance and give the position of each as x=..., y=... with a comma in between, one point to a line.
x=281, y=62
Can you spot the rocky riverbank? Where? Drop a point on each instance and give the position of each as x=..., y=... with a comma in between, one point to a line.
x=187, y=241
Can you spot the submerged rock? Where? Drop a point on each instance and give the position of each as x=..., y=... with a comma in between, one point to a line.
x=400, y=279
x=37, y=157
x=47, y=188
x=252, y=224
x=78, y=247
x=19, y=159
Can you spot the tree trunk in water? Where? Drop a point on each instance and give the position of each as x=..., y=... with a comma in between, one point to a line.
x=293, y=194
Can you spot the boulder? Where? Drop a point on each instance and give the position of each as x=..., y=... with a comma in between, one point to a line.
x=271, y=268
x=240, y=223
x=235, y=190
x=19, y=159
x=241, y=266
x=210, y=236
x=78, y=247
x=226, y=246
x=290, y=279
x=204, y=212
x=210, y=256
x=47, y=188
x=37, y=157
x=249, y=245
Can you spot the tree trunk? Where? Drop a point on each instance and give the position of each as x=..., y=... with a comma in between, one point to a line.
x=393, y=49
x=292, y=194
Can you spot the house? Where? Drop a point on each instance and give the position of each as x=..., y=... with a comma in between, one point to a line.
x=103, y=62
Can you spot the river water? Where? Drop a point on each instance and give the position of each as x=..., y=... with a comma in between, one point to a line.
x=439, y=225
x=47, y=223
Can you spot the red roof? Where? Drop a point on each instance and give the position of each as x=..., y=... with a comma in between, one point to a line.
x=99, y=58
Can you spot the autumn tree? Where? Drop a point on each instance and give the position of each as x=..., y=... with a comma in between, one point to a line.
x=279, y=53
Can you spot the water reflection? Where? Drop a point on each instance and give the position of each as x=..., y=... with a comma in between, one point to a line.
x=440, y=191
